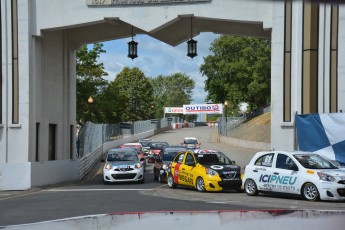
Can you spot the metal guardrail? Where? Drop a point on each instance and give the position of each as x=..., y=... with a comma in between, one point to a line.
x=87, y=162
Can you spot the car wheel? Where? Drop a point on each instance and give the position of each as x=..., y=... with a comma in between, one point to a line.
x=250, y=187
x=200, y=184
x=171, y=182
x=310, y=192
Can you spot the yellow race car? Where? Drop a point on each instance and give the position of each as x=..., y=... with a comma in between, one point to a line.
x=206, y=171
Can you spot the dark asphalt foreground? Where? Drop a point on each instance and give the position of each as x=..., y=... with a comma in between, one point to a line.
x=91, y=196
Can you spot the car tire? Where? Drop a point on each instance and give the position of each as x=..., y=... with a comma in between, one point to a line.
x=171, y=183
x=310, y=192
x=250, y=187
x=200, y=184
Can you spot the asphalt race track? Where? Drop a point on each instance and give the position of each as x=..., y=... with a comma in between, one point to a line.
x=91, y=196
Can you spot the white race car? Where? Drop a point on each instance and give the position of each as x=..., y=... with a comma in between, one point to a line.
x=303, y=173
x=123, y=164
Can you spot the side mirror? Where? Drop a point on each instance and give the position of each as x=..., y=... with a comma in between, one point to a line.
x=233, y=162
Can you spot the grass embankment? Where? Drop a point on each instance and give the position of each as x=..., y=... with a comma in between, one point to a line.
x=257, y=129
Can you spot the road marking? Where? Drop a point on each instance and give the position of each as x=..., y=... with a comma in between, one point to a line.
x=224, y=202
x=95, y=189
x=26, y=194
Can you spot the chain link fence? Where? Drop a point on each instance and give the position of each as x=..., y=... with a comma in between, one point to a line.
x=235, y=127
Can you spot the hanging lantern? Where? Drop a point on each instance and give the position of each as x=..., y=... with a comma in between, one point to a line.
x=132, y=48
x=192, y=48
x=191, y=44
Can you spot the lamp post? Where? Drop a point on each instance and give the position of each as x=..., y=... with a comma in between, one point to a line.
x=90, y=101
x=151, y=111
x=226, y=117
x=226, y=114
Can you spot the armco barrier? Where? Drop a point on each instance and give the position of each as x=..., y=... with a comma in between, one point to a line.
x=258, y=220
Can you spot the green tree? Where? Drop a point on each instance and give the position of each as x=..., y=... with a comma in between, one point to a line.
x=90, y=83
x=238, y=71
x=174, y=90
x=136, y=93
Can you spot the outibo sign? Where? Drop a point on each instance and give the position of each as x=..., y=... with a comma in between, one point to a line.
x=203, y=108
x=136, y=2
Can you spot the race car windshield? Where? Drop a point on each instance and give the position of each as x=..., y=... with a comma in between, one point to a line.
x=145, y=143
x=158, y=145
x=122, y=156
x=214, y=159
x=314, y=162
x=190, y=141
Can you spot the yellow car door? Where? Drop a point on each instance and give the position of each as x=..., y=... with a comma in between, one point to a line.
x=186, y=174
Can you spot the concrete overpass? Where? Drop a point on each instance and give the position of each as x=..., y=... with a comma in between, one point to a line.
x=38, y=77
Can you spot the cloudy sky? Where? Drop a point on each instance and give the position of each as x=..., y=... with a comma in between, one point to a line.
x=157, y=58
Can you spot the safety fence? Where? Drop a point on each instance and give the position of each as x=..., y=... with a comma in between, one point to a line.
x=236, y=127
x=93, y=137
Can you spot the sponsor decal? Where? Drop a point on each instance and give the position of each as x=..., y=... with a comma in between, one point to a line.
x=217, y=167
x=275, y=179
x=186, y=177
x=173, y=109
x=310, y=172
x=176, y=172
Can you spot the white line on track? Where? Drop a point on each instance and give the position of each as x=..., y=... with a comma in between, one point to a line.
x=88, y=190
x=223, y=202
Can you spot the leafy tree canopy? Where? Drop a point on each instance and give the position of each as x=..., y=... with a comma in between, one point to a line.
x=173, y=90
x=89, y=83
x=137, y=94
x=238, y=71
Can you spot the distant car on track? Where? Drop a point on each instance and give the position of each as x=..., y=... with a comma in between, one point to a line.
x=123, y=165
x=301, y=173
x=212, y=171
x=155, y=148
x=145, y=143
x=191, y=143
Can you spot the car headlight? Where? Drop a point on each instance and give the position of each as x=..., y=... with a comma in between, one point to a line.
x=138, y=166
x=107, y=166
x=325, y=177
x=211, y=172
x=164, y=166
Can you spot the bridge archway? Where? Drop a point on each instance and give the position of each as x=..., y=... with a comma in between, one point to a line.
x=39, y=40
